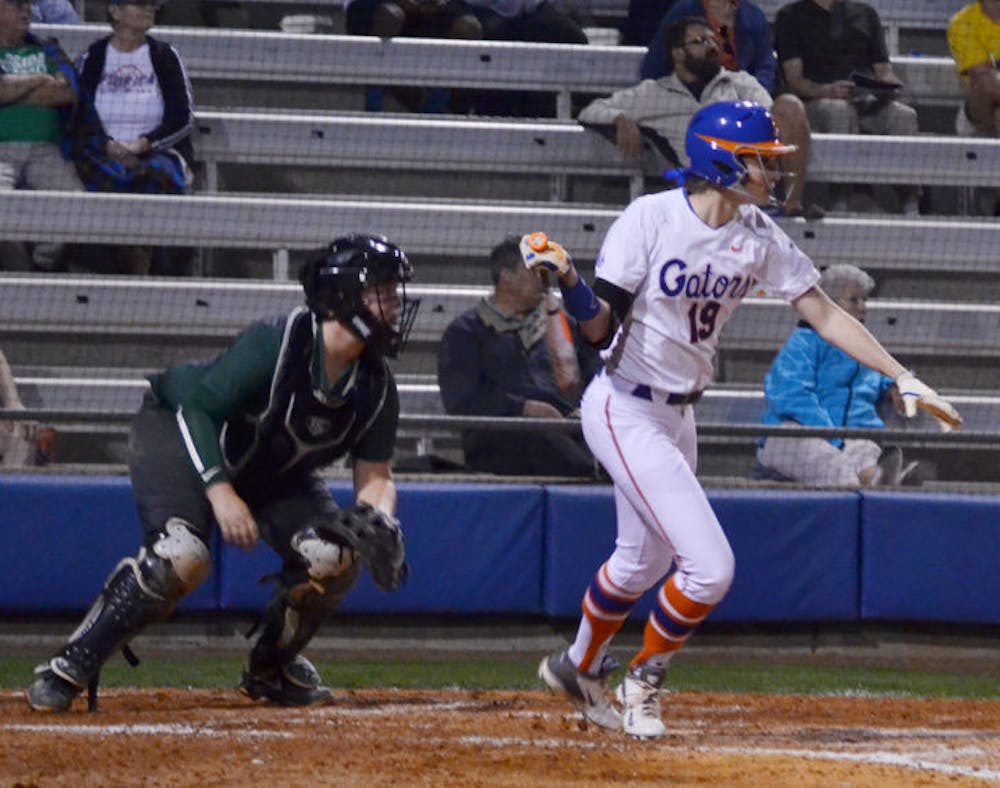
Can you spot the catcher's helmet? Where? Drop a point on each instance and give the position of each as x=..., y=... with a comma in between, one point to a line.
x=334, y=284
x=719, y=134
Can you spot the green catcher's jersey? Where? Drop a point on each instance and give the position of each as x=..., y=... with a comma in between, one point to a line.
x=261, y=410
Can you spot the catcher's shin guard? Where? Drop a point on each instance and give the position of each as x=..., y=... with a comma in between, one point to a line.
x=275, y=668
x=139, y=591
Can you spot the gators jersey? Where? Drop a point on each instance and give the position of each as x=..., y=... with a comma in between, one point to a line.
x=686, y=278
x=262, y=409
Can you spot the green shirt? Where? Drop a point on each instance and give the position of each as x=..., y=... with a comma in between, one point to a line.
x=26, y=122
x=259, y=410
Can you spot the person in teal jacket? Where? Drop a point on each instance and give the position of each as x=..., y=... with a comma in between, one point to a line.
x=814, y=384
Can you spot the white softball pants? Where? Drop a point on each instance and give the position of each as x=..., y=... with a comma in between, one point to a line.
x=650, y=449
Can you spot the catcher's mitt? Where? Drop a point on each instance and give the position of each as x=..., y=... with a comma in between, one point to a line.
x=376, y=537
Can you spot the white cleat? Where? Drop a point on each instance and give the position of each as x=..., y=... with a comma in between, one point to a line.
x=639, y=695
x=587, y=692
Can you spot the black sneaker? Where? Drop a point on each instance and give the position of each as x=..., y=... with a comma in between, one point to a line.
x=49, y=692
x=297, y=684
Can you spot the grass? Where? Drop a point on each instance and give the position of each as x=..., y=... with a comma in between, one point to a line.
x=756, y=677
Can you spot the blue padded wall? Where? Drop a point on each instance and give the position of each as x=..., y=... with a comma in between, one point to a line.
x=63, y=535
x=472, y=548
x=482, y=549
x=796, y=555
x=931, y=558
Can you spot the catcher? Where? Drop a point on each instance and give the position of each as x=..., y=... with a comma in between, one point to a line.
x=236, y=442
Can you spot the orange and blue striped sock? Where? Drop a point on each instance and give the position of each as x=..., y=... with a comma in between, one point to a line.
x=605, y=608
x=670, y=623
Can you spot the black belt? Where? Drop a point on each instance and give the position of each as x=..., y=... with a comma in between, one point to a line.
x=645, y=392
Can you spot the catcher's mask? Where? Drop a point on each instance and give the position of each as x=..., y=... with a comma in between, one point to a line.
x=720, y=135
x=335, y=284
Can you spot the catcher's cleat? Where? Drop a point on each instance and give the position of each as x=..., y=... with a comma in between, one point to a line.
x=639, y=695
x=296, y=684
x=49, y=692
x=587, y=692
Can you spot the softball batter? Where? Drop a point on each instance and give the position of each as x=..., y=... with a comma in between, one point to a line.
x=672, y=269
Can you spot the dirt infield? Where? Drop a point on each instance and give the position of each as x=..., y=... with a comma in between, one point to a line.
x=461, y=738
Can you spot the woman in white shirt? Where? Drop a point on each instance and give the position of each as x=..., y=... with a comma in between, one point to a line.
x=142, y=95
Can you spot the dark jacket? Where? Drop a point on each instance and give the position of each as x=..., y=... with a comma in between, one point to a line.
x=178, y=117
x=482, y=372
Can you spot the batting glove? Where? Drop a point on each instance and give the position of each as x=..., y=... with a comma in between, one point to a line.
x=917, y=394
x=539, y=253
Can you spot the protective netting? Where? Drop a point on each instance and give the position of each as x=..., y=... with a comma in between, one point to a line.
x=306, y=135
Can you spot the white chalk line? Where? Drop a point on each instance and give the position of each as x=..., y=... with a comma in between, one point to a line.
x=907, y=760
x=882, y=758
x=912, y=760
x=146, y=729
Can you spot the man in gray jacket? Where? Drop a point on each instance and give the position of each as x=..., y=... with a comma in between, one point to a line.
x=666, y=105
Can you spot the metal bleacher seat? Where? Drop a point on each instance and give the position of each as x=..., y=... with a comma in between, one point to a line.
x=556, y=148
x=419, y=395
x=564, y=69
x=446, y=229
x=91, y=339
x=125, y=312
x=420, y=143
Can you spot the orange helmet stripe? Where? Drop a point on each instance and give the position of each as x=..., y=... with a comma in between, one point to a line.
x=764, y=148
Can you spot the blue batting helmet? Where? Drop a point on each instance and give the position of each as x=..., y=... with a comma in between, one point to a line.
x=720, y=133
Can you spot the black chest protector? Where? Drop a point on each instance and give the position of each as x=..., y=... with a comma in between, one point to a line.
x=300, y=428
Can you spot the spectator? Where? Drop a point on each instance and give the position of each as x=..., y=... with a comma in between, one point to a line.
x=22, y=443
x=527, y=20
x=511, y=356
x=37, y=103
x=417, y=18
x=641, y=21
x=814, y=384
x=741, y=31
x=821, y=45
x=54, y=12
x=974, y=38
x=665, y=105
x=541, y=21
x=139, y=140
x=420, y=18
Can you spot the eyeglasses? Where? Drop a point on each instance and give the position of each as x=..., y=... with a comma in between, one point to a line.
x=701, y=41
